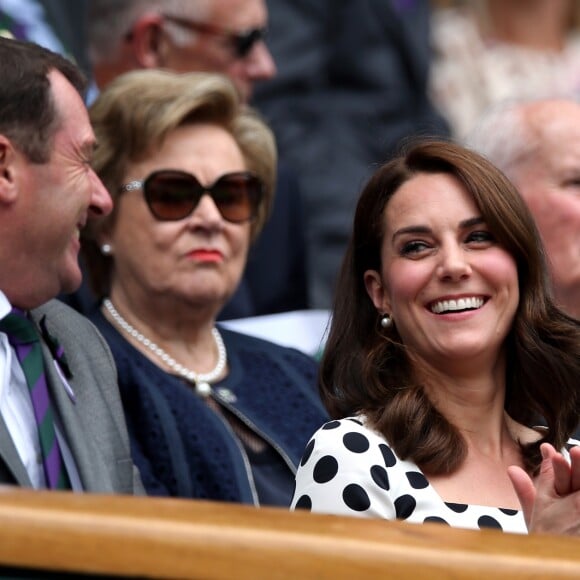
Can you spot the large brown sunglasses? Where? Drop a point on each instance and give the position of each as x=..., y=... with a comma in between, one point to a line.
x=173, y=195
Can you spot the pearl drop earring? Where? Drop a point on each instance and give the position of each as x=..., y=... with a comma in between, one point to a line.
x=106, y=249
x=386, y=321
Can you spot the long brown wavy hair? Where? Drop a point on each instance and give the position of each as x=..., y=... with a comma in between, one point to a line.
x=366, y=369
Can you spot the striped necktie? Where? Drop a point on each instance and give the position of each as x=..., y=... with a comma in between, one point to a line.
x=25, y=339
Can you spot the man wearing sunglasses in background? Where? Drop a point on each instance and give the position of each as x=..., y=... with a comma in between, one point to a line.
x=227, y=37
x=224, y=36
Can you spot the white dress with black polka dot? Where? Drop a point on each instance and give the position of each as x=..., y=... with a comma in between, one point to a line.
x=349, y=469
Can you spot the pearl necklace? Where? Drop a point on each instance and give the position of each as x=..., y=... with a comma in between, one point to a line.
x=201, y=380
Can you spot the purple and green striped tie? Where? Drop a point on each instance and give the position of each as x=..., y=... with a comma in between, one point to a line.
x=25, y=339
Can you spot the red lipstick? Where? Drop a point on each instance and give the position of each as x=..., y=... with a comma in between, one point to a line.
x=204, y=255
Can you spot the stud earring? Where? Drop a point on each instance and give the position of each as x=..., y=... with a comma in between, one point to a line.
x=386, y=321
x=106, y=249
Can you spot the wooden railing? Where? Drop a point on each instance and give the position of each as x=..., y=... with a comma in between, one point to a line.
x=166, y=538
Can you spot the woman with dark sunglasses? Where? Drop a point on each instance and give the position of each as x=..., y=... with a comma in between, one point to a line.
x=212, y=414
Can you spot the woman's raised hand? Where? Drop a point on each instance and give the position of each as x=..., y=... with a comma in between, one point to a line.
x=551, y=502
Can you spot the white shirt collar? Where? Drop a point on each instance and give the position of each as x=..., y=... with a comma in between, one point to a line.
x=5, y=306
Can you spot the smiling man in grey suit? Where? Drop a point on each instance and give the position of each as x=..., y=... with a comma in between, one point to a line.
x=48, y=191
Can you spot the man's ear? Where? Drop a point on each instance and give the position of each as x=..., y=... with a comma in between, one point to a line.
x=8, y=158
x=376, y=291
x=146, y=41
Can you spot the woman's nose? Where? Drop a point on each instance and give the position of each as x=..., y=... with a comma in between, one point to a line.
x=453, y=263
x=206, y=214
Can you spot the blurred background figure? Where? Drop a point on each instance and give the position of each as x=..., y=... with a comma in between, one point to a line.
x=227, y=37
x=537, y=145
x=211, y=413
x=27, y=20
x=59, y=25
x=486, y=51
x=351, y=84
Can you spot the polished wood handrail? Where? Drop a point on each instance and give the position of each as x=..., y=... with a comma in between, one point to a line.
x=169, y=538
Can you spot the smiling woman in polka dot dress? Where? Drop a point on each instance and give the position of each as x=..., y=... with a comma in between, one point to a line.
x=445, y=353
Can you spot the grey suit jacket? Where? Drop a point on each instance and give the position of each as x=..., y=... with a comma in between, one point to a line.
x=93, y=423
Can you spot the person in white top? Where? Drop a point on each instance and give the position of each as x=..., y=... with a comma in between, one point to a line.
x=486, y=51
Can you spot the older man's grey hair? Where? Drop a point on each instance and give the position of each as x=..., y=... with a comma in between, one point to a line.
x=504, y=136
x=109, y=21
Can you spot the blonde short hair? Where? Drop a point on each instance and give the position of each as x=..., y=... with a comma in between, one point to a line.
x=135, y=113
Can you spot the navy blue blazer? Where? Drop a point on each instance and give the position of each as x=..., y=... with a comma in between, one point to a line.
x=184, y=448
